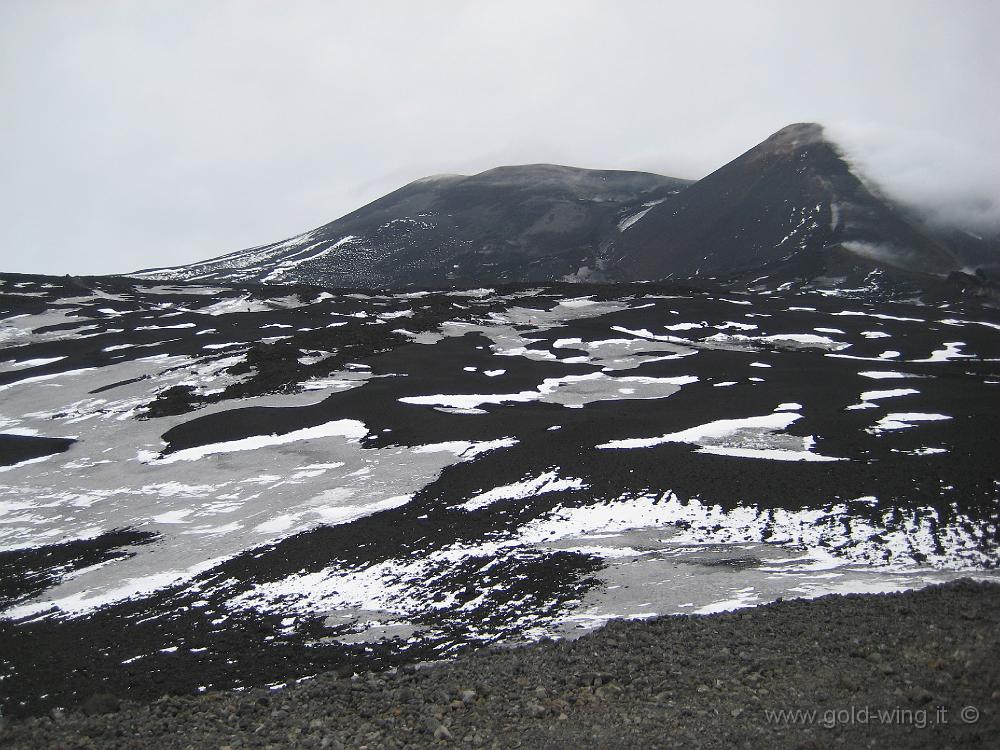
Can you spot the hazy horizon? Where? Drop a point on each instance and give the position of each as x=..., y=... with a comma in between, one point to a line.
x=157, y=134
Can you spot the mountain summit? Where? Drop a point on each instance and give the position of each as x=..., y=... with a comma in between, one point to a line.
x=790, y=204
x=789, y=208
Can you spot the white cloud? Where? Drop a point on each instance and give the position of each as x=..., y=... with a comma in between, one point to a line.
x=950, y=182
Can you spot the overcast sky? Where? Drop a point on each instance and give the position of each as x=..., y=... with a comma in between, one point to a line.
x=136, y=134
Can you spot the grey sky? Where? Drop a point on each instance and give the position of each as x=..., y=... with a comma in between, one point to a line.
x=135, y=134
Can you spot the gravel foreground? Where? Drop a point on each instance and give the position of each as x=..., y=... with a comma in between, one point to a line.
x=912, y=670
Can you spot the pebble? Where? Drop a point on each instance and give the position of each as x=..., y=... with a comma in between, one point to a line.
x=442, y=733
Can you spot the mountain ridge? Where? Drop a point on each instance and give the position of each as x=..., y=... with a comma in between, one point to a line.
x=494, y=218
x=792, y=206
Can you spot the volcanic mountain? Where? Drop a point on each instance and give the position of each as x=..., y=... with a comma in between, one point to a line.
x=791, y=208
x=522, y=223
x=792, y=204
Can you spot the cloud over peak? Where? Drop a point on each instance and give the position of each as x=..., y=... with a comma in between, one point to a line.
x=950, y=183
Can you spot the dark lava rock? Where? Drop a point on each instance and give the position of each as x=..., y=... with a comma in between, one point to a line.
x=101, y=703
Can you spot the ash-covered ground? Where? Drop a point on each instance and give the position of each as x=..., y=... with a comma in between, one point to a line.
x=217, y=487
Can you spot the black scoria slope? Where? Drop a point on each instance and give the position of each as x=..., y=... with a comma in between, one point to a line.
x=527, y=223
x=790, y=206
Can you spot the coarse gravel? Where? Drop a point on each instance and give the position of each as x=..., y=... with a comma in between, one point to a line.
x=918, y=669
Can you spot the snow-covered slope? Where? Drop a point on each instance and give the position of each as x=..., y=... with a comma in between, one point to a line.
x=228, y=486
